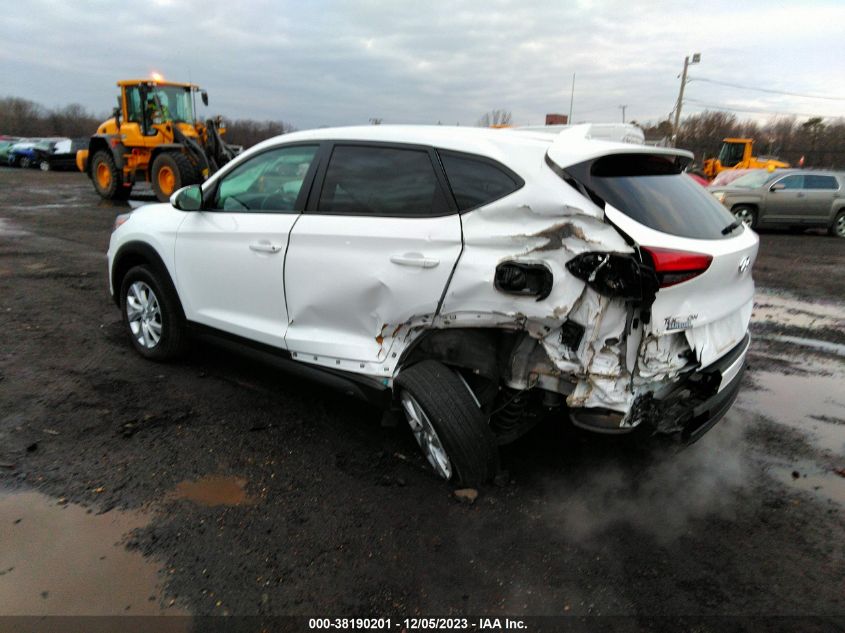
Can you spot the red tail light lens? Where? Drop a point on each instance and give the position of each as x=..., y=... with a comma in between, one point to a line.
x=674, y=267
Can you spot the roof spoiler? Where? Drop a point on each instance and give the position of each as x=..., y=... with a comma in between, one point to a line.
x=580, y=143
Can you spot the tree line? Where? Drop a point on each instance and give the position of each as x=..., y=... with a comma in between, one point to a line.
x=820, y=141
x=22, y=117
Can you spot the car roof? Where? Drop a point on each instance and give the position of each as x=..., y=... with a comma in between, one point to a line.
x=514, y=147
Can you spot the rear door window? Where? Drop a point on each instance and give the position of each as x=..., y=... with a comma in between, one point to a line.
x=476, y=181
x=381, y=181
x=653, y=191
x=820, y=182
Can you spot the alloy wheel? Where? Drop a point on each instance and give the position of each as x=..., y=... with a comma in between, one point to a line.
x=426, y=436
x=745, y=216
x=143, y=314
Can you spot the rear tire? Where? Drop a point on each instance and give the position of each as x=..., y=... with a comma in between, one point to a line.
x=170, y=172
x=152, y=315
x=837, y=229
x=106, y=177
x=451, y=430
x=26, y=162
x=745, y=214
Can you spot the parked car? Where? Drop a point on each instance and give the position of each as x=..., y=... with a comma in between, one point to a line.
x=5, y=148
x=64, y=154
x=787, y=197
x=471, y=279
x=30, y=153
x=726, y=177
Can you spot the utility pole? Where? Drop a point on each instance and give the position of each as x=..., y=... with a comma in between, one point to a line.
x=695, y=59
x=571, y=100
x=622, y=107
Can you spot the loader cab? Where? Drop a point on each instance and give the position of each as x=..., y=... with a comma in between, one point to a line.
x=150, y=103
x=733, y=152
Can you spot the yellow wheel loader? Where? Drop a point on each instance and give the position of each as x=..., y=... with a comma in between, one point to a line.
x=737, y=153
x=154, y=136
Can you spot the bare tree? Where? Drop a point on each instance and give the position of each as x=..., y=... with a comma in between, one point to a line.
x=495, y=117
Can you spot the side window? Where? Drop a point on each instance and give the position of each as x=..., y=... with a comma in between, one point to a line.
x=270, y=181
x=792, y=182
x=476, y=182
x=366, y=180
x=820, y=182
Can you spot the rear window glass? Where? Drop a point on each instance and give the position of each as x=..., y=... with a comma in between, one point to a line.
x=653, y=191
x=476, y=182
x=385, y=181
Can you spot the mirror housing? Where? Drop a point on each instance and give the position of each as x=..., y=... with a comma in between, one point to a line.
x=204, y=97
x=187, y=198
x=777, y=187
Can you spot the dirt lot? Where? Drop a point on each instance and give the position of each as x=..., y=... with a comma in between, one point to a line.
x=218, y=486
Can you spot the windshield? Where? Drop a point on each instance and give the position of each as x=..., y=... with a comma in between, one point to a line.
x=170, y=103
x=754, y=180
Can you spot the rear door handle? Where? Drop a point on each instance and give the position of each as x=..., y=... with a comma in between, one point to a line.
x=415, y=259
x=265, y=247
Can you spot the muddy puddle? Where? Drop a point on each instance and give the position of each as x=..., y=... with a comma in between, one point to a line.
x=59, y=559
x=213, y=490
x=814, y=404
x=7, y=229
x=823, y=483
x=788, y=311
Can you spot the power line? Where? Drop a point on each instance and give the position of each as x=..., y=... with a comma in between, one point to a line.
x=768, y=90
x=713, y=106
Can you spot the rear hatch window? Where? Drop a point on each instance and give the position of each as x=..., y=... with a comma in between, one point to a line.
x=654, y=191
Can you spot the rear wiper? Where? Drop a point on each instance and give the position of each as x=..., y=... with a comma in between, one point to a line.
x=730, y=227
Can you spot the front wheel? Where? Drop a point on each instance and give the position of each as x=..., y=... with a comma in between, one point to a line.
x=151, y=315
x=171, y=171
x=44, y=165
x=837, y=229
x=447, y=423
x=746, y=215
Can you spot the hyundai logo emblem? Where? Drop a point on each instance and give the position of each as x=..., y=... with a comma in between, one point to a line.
x=744, y=264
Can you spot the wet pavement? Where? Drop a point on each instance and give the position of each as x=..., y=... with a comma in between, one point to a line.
x=217, y=485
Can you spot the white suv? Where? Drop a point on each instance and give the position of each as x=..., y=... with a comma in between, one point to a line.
x=469, y=277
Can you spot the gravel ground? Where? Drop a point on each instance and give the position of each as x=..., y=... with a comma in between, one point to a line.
x=237, y=489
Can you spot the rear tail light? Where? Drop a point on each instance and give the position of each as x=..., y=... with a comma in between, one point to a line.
x=675, y=267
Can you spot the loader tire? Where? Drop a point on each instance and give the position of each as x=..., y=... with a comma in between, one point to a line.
x=107, y=178
x=171, y=171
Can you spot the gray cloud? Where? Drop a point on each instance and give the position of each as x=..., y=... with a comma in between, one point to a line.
x=330, y=63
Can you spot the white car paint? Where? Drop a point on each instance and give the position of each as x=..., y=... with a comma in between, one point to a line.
x=355, y=293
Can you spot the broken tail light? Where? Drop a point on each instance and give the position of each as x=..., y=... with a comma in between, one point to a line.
x=675, y=267
x=614, y=275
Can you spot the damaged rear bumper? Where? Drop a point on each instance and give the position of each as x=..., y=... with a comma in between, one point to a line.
x=687, y=412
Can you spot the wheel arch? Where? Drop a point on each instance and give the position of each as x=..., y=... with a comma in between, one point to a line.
x=476, y=349
x=138, y=253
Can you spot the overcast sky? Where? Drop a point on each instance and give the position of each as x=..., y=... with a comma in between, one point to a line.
x=331, y=63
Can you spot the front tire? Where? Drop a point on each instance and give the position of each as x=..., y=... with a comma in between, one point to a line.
x=451, y=430
x=106, y=177
x=747, y=215
x=170, y=172
x=152, y=315
x=837, y=229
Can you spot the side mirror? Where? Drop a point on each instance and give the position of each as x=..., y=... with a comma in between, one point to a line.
x=778, y=186
x=204, y=97
x=187, y=198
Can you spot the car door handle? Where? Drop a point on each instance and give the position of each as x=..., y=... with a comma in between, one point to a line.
x=415, y=259
x=265, y=247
